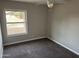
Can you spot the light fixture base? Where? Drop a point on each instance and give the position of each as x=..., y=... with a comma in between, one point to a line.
x=50, y=3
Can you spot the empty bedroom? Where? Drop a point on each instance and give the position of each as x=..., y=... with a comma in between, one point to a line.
x=39, y=29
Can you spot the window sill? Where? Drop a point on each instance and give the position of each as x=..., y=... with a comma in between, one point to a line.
x=16, y=35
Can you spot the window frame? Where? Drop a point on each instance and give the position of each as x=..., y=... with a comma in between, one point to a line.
x=25, y=23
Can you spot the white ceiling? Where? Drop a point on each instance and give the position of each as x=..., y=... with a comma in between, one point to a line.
x=39, y=1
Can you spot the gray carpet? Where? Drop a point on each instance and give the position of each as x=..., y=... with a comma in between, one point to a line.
x=42, y=48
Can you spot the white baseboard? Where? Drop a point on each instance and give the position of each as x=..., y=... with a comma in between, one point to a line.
x=37, y=38
x=66, y=47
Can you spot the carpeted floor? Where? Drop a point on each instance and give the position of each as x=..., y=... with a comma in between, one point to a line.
x=42, y=48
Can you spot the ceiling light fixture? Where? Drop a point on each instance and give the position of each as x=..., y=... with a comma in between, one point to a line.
x=50, y=3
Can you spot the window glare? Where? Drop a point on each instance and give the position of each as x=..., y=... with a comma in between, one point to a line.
x=15, y=22
x=13, y=16
x=15, y=28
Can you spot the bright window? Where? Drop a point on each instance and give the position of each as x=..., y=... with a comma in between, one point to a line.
x=15, y=22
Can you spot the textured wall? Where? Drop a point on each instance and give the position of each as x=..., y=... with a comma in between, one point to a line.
x=64, y=24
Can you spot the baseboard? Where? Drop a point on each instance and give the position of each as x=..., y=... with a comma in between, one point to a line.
x=37, y=38
x=66, y=47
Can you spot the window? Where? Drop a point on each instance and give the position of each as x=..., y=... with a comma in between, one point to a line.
x=15, y=22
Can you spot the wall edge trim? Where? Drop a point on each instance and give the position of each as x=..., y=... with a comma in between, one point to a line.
x=65, y=47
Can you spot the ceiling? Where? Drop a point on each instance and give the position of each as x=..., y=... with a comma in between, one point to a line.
x=39, y=1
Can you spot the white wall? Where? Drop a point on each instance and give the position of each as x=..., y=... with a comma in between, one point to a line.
x=64, y=24
x=36, y=16
x=1, y=46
